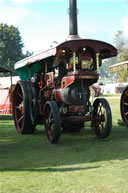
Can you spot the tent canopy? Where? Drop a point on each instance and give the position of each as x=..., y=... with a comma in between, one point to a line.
x=4, y=69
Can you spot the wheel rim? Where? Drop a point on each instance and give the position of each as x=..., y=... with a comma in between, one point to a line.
x=102, y=122
x=19, y=108
x=101, y=119
x=124, y=106
x=49, y=123
x=52, y=121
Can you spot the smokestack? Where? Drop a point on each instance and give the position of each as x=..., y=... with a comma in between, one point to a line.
x=73, y=32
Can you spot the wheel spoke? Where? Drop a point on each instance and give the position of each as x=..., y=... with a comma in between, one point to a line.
x=100, y=109
x=126, y=93
x=50, y=115
x=21, y=96
x=21, y=119
x=126, y=113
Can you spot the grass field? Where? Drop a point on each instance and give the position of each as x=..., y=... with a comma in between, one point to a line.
x=78, y=164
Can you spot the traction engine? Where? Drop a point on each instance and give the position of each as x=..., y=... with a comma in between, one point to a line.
x=54, y=89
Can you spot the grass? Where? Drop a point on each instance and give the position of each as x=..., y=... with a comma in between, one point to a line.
x=78, y=164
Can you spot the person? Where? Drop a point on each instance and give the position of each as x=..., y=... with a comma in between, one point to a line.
x=62, y=70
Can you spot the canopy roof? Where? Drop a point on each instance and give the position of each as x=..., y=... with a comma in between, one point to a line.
x=73, y=45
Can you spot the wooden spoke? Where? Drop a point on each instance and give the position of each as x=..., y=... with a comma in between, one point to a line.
x=21, y=118
x=21, y=96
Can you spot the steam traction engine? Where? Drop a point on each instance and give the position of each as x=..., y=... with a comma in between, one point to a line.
x=54, y=87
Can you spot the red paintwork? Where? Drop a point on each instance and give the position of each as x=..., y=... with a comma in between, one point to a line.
x=71, y=77
x=57, y=93
x=67, y=80
x=49, y=78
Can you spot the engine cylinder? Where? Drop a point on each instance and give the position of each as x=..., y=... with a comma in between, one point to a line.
x=76, y=94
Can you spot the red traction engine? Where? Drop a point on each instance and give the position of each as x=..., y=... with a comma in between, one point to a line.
x=54, y=89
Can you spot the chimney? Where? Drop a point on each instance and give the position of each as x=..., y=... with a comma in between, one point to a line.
x=73, y=32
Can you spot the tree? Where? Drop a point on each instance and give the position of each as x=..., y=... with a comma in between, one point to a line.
x=121, y=42
x=105, y=74
x=11, y=46
x=122, y=45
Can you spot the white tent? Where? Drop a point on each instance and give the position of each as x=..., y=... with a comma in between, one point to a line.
x=5, y=82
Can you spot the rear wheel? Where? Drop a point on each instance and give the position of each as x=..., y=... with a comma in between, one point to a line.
x=21, y=103
x=52, y=122
x=102, y=118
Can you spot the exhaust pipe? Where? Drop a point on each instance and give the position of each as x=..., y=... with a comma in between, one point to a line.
x=73, y=31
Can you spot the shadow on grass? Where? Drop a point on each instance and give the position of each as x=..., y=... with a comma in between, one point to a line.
x=6, y=117
x=68, y=169
x=30, y=152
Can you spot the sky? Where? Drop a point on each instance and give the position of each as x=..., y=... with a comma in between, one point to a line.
x=41, y=22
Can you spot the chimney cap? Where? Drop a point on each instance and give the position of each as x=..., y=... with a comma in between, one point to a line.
x=73, y=37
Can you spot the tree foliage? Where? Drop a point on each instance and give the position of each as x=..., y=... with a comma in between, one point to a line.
x=122, y=75
x=104, y=69
x=11, y=46
x=121, y=43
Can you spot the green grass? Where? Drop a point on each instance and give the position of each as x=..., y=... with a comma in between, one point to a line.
x=78, y=164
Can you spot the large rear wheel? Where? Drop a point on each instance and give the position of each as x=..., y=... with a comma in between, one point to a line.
x=52, y=122
x=21, y=103
x=102, y=118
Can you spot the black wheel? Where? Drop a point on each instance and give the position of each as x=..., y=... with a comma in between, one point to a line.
x=102, y=118
x=34, y=106
x=124, y=106
x=72, y=127
x=21, y=102
x=52, y=122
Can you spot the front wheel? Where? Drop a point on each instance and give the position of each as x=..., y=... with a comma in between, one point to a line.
x=102, y=118
x=52, y=122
